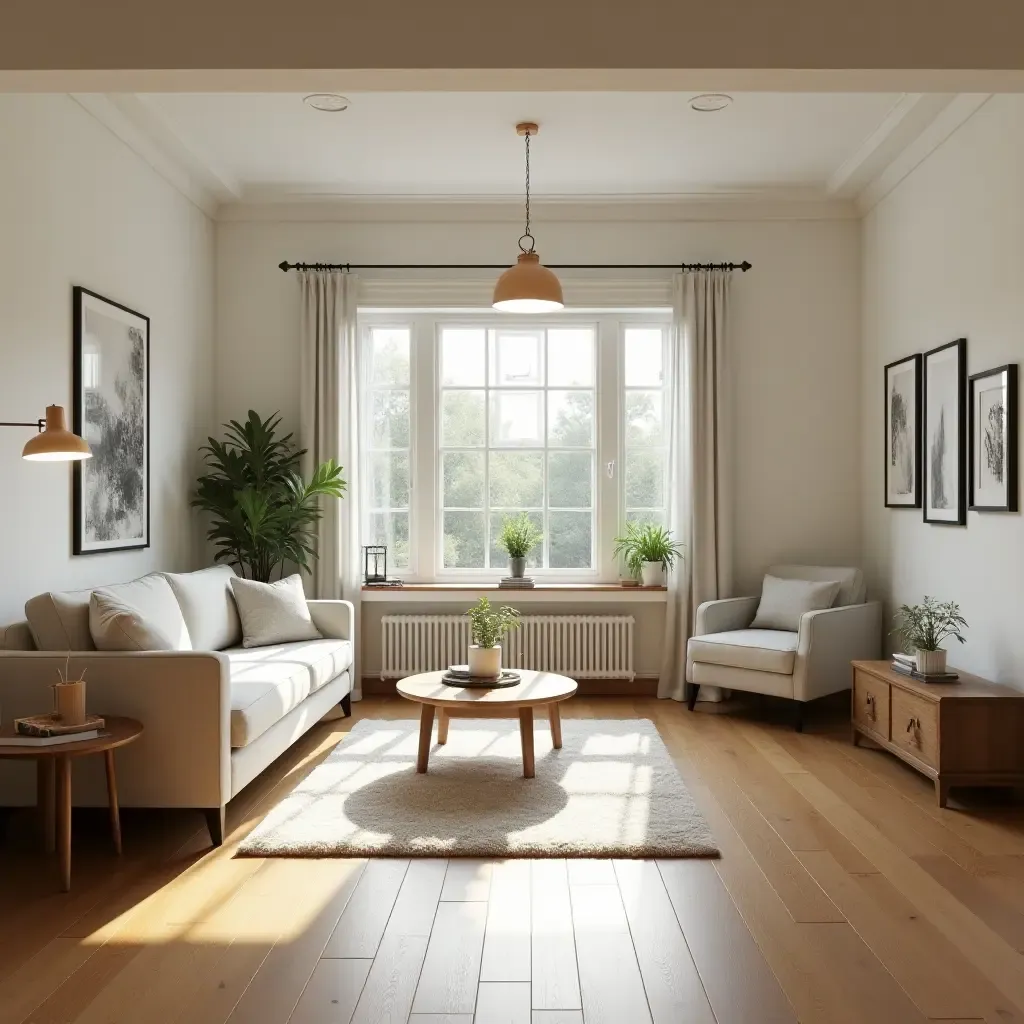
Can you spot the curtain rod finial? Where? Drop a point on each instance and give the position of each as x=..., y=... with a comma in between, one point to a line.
x=283, y=265
x=745, y=266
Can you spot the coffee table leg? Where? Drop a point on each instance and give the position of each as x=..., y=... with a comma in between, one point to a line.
x=115, y=815
x=555, y=718
x=64, y=820
x=46, y=803
x=526, y=735
x=426, y=728
x=442, y=726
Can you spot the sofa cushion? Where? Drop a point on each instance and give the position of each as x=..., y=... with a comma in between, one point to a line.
x=761, y=650
x=784, y=601
x=273, y=613
x=268, y=682
x=142, y=615
x=208, y=607
x=59, y=620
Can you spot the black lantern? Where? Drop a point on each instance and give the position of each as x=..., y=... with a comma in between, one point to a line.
x=375, y=563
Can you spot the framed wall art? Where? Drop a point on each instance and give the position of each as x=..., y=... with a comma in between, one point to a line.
x=993, y=429
x=111, y=382
x=903, y=433
x=945, y=434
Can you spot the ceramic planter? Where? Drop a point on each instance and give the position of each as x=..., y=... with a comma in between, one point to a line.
x=652, y=574
x=484, y=662
x=931, y=663
x=516, y=568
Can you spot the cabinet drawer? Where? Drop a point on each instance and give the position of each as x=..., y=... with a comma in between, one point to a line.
x=871, y=703
x=915, y=726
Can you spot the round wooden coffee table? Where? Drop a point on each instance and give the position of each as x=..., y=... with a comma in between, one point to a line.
x=53, y=765
x=537, y=689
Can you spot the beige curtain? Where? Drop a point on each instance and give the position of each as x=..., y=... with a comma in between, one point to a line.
x=700, y=502
x=329, y=429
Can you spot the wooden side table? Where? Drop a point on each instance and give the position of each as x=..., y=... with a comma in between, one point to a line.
x=53, y=783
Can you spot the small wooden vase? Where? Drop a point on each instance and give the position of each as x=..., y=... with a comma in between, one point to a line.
x=69, y=702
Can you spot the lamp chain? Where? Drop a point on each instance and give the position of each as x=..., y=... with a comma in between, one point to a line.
x=526, y=233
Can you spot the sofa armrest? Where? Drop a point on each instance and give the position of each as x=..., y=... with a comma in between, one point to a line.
x=727, y=614
x=828, y=641
x=334, y=619
x=182, y=698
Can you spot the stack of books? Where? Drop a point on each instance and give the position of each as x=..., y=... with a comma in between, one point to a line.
x=47, y=730
x=906, y=665
x=516, y=583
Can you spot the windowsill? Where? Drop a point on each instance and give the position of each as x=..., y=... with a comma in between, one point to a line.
x=542, y=593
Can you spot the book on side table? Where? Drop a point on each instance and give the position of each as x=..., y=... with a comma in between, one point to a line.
x=48, y=730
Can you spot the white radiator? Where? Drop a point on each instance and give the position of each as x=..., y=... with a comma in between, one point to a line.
x=579, y=646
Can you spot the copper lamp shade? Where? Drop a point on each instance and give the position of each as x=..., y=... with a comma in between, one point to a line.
x=55, y=443
x=528, y=287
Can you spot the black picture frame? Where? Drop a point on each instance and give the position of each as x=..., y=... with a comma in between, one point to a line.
x=980, y=499
x=896, y=398
x=116, y=480
x=940, y=494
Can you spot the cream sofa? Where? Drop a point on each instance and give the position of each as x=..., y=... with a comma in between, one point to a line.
x=214, y=716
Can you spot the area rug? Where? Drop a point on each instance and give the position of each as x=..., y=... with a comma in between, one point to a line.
x=610, y=791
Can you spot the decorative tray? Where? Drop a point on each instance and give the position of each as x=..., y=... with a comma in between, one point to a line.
x=506, y=678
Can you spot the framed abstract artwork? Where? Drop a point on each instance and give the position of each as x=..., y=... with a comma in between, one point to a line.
x=945, y=434
x=111, y=382
x=993, y=419
x=903, y=433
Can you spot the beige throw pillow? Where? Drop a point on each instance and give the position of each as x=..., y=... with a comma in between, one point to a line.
x=784, y=601
x=273, y=613
x=138, y=616
x=208, y=607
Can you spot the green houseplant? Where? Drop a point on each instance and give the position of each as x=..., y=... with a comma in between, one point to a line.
x=487, y=626
x=263, y=514
x=519, y=536
x=922, y=628
x=648, y=551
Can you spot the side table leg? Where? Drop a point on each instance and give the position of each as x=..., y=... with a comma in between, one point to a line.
x=526, y=735
x=426, y=728
x=442, y=726
x=64, y=820
x=555, y=718
x=115, y=816
x=45, y=780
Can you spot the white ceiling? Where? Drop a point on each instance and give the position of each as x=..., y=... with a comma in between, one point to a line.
x=455, y=145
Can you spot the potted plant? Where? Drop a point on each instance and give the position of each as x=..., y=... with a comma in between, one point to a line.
x=487, y=626
x=519, y=536
x=263, y=513
x=648, y=551
x=922, y=628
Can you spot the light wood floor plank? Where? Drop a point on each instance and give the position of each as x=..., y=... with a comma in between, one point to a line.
x=507, y=949
x=557, y=1017
x=553, y=972
x=467, y=879
x=451, y=968
x=331, y=993
x=391, y=984
x=503, y=1002
x=414, y=910
x=585, y=871
x=359, y=931
x=441, y=1018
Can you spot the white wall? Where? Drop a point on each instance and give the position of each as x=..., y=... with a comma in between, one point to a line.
x=78, y=207
x=943, y=258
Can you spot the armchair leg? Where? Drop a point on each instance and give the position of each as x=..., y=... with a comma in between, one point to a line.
x=215, y=823
x=798, y=715
x=692, y=689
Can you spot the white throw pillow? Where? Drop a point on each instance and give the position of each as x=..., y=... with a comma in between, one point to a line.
x=273, y=613
x=208, y=607
x=139, y=616
x=784, y=601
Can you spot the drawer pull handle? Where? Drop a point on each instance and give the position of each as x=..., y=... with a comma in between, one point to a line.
x=872, y=710
x=913, y=725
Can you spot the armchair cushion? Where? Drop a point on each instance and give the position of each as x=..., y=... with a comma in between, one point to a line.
x=758, y=650
x=852, y=589
x=784, y=601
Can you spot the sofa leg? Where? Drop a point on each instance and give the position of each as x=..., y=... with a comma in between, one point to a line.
x=215, y=823
x=692, y=689
x=346, y=705
x=798, y=715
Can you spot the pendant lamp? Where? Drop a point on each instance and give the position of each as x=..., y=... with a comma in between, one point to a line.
x=54, y=442
x=529, y=286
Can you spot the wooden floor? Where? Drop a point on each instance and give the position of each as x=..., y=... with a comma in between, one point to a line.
x=843, y=894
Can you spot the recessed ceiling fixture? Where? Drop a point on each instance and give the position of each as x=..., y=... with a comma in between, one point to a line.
x=709, y=102
x=528, y=287
x=330, y=102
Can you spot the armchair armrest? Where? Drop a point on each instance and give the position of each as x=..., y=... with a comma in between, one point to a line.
x=724, y=615
x=828, y=641
x=334, y=619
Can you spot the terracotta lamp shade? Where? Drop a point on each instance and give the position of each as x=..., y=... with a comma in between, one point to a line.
x=55, y=443
x=528, y=287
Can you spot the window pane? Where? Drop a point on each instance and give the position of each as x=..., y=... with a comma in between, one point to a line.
x=643, y=356
x=499, y=556
x=571, y=357
x=569, y=539
x=462, y=419
x=656, y=516
x=644, y=418
x=571, y=418
x=517, y=480
x=462, y=357
x=645, y=478
x=389, y=356
x=392, y=530
x=517, y=418
x=518, y=359
x=463, y=540
x=463, y=485
x=569, y=480
x=389, y=412
x=389, y=480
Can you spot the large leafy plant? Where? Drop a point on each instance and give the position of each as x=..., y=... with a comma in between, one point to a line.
x=263, y=514
x=646, y=542
x=488, y=624
x=923, y=627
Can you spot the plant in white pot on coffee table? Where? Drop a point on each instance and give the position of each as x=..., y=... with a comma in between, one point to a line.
x=922, y=629
x=648, y=551
x=488, y=625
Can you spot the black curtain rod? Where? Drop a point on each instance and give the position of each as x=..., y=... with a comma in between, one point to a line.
x=286, y=266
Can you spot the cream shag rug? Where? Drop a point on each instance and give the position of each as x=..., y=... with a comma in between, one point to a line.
x=611, y=791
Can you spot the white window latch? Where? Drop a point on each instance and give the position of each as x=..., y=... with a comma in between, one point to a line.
x=610, y=469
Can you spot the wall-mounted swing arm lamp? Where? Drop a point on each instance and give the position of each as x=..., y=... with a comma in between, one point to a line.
x=54, y=442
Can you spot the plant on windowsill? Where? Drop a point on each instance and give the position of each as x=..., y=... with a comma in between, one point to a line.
x=487, y=627
x=519, y=536
x=263, y=514
x=648, y=551
x=921, y=629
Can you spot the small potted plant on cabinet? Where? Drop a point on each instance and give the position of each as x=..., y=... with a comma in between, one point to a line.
x=648, y=551
x=922, y=628
x=487, y=626
x=519, y=536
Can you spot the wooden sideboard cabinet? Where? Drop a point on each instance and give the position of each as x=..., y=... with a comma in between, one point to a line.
x=968, y=733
